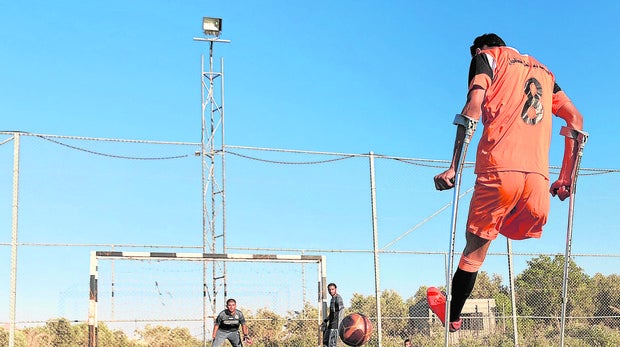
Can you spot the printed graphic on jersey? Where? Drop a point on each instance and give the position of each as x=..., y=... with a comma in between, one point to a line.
x=533, y=91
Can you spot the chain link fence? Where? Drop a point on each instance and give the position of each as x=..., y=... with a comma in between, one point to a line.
x=77, y=195
x=489, y=320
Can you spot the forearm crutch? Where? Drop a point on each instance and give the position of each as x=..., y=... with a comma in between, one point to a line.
x=580, y=138
x=470, y=127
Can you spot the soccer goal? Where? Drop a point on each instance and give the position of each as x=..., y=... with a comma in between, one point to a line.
x=144, y=293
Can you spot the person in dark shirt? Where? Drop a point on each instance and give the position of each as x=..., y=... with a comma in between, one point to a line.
x=331, y=323
x=227, y=326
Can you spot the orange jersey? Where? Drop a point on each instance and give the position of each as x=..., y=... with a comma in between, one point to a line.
x=521, y=96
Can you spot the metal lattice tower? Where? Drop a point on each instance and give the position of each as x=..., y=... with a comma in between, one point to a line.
x=213, y=181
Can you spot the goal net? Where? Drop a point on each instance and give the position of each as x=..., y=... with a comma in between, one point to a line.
x=148, y=293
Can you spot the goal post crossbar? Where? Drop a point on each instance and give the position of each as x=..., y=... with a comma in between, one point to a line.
x=203, y=257
x=209, y=256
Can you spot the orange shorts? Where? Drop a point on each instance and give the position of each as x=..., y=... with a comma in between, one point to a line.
x=513, y=203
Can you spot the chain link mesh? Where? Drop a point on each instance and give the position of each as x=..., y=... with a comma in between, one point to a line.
x=321, y=198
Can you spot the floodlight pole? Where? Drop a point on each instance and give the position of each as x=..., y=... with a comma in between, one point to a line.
x=211, y=182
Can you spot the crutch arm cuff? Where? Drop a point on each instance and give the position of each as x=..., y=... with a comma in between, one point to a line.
x=467, y=122
x=464, y=120
x=578, y=135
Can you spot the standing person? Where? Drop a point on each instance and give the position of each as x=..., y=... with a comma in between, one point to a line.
x=331, y=323
x=516, y=96
x=227, y=326
x=407, y=343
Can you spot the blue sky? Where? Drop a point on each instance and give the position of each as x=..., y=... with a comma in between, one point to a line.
x=333, y=76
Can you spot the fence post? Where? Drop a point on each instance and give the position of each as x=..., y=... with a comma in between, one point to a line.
x=13, y=290
x=511, y=280
x=375, y=237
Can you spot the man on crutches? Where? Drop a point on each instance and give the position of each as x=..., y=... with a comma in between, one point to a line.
x=515, y=95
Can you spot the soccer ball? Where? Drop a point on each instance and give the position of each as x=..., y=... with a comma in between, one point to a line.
x=355, y=329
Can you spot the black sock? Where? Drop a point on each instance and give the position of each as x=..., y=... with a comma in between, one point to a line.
x=462, y=285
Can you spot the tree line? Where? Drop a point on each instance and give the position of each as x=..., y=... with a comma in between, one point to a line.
x=593, y=305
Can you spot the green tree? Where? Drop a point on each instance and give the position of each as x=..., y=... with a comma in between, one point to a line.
x=267, y=327
x=302, y=328
x=393, y=309
x=362, y=304
x=162, y=336
x=107, y=337
x=20, y=338
x=539, y=288
x=418, y=296
x=487, y=287
x=606, y=292
x=38, y=336
x=61, y=333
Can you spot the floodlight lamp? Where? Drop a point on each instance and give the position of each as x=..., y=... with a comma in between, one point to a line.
x=212, y=26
